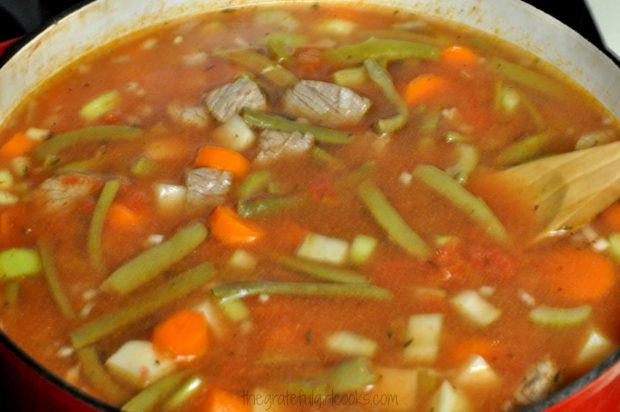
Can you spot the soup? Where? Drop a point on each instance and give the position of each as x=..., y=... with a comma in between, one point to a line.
x=299, y=208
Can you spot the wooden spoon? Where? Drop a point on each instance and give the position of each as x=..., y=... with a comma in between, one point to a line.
x=569, y=190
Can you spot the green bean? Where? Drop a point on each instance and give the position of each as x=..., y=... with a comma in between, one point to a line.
x=11, y=294
x=154, y=261
x=467, y=161
x=349, y=375
x=451, y=190
x=84, y=165
x=142, y=306
x=152, y=395
x=527, y=77
x=188, y=389
x=253, y=184
x=284, y=45
x=273, y=122
x=98, y=377
x=524, y=150
x=390, y=220
x=51, y=275
x=405, y=35
x=381, y=77
x=63, y=141
x=324, y=157
x=357, y=176
x=263, y=208
x=381, y=49
x=327, y=290
x=95, y=230
x=261, y=65
x=320, y=271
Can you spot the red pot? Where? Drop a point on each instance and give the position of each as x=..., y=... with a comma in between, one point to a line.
x=101, y=21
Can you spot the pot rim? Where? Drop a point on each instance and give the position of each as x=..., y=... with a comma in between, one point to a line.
x=574, y=388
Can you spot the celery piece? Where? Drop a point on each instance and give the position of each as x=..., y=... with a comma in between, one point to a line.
x=390, y=220
x=381, y=77
x=527, y=77
x=100, y=105
x=259, y=64
x=235, y=309
x=523, y=150
x=350, y=344
x=381, y=49
x=473, y=307
x=405, y=35
x=92, y=134
x=98, y=377
x=320, y=271
x=560, y=317
x=353, y=77
x=142, y=167
x=327, y=290
x=473, y=206
x=154, y=261
x=51, y=275
x=143, y=305
x=273, y=122
x=152, y=395
x=284, y=45
x=189, y=388
x=362, y=248
x=95, y=230
x=253, y=184
x=18, y=262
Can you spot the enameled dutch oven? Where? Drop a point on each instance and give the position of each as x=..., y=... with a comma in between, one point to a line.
x=96, y=23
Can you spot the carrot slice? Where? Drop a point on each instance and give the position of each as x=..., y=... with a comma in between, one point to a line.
x=18, y=145
x=124, y=219
x=476, y=345
x=579, y=275
x=459, y=56
x=223, y=159
x=424, y=88
x=183, y=334
x=229, y=228
x=220, y=400
x=610, y=218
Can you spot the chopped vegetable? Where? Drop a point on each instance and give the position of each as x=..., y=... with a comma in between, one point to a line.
x=476, y=373
x=234, y=134
x=278, y=18
x=381, y=49
x=94, y=134
x=468, y=158
x=223, y=159
x=100, y=105
x=473, y=307
x=142, y=306
x=184, y=334
x=139, y=363
x=170, y=198
x=264, y=208
x=254, y=183
x=507, y=99
x=353, y=77
x=235, y=309
x=219, y=400
x=320, y=271
x=362, y=249
x=595, y=348
x=475, y=207
x=350, y=344
x=328, y=290
x=7, y=198
x=560, y=317
x=98, y=377
x=11, y=294
x=527, y=77
x=336, y=27
x=324, y=249
x=424, y=88
x=261, y=65
x=388, y=218
x=399, y=383
x=51, y=275
x=18, y=145
x=18, y=262
x=381, y=77
x=242, y=261
x=614, y=246
x=595, y=138
x=284, y=45
x=192, y=386
x=524, y=150
x=142, y=167
x=229, y=228
x=123, y=218
x=151, y=396
x=460, y=57
x=351, y=375
x=423, y=337
x=95, y=230
x=154, y=261
x=448, y=399
x=273, y=122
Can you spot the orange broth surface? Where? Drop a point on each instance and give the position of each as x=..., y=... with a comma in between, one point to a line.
x=279, y=347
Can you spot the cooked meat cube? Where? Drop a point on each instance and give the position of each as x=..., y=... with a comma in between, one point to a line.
x=274, y=144
x=228, y=100
x=325, y=103
x=62, y=192
x=207, y=186
x=191, y=116
x=538, y=382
